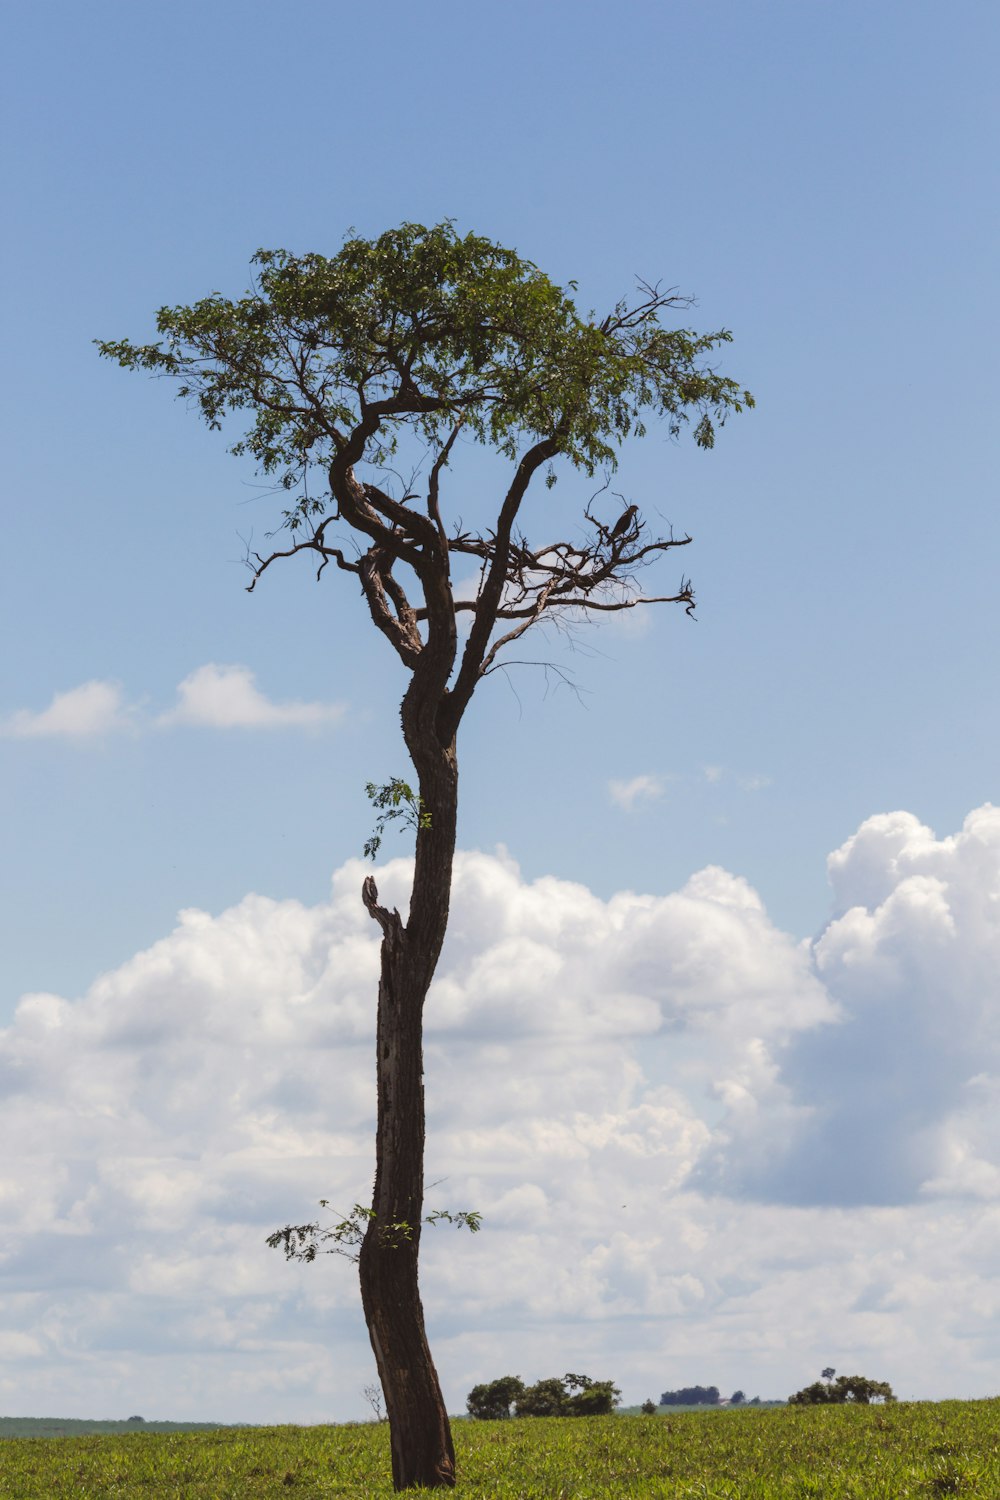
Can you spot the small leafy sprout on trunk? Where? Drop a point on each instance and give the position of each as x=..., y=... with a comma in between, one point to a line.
x=395, y=799
x=305, y=1241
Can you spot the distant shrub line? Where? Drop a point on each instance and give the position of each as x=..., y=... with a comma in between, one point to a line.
x=571, y=1396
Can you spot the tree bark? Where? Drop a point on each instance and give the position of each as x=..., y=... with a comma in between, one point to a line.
x=422, y=1450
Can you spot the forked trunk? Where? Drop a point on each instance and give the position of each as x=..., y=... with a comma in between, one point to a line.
x=422, y=1450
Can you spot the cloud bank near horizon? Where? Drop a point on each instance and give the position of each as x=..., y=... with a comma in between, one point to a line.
x=701, y=1148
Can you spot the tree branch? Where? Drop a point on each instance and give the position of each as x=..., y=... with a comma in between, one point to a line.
x=313, y=544
x=399, y=629
x=390, y=922
x=496, y=577
x=532, y=617
x=433, y=503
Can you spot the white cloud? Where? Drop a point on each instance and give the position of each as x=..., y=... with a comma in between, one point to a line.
x=227, y=697
x=747, y=781
x=680, y=1124
x=896, y=1101
x=755, y=782
x=86, y=712
x=216, y=697
x=644, y=788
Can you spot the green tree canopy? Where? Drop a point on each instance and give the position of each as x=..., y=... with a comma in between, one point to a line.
x=428, y=327
x=846, y=1389
x=571, y=1396
x=492, y=1402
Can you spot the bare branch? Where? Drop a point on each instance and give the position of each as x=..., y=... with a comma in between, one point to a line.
x=496, y=577
x=312, y=544
x=390, y=922
x=400, y=628
x=406, y=522
x=512, y=635
x=433, y=505
x=600, y=575
x=564, y=678
x=655, y=301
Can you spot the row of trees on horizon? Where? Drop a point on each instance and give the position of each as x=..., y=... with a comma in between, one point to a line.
x=570, y=1396
x=580, y=1396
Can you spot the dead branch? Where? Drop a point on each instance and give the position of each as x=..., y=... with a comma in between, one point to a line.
x=258, y=565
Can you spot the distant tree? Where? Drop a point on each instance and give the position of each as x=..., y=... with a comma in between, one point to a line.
x=546, y=1398
x=737, y=1398
x=692, y=1395
x=846, y=1389
x=492, y=1402
x=572, y=1396
x=372, y=1393
x=399, y=353
x=137, y=1419
x=593, y=1398
x=820, y=1393
x=648, y=1408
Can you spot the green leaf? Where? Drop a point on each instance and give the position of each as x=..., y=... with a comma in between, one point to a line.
x=439, y=325
x=394, y=799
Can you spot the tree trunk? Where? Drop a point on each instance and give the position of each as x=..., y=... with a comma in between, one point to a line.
x=422, y=1450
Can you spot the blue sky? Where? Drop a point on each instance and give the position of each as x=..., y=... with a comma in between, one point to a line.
x=823, y=179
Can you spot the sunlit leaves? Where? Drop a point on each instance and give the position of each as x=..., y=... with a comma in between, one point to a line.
x=344, y=1237
x=394, y=799
x=416, y=328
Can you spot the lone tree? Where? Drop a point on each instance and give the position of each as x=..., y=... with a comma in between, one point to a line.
x=492, y=1402
x=342, y=368
x=845, y=1390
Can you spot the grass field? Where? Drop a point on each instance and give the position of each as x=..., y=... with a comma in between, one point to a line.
x=903, y=1452
x=46, y=1427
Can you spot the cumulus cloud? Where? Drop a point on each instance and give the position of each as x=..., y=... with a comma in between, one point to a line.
x=86, y=712
x=680, y=1124
x=644, y=788
x=895, y=1101
x=216, y=697
x=222, y=697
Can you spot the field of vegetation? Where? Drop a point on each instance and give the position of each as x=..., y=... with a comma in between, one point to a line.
x=909, y=1451
x=46, y=1427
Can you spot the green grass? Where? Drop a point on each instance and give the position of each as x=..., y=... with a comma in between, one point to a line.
x=46, y=1427
x=913, y=1451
